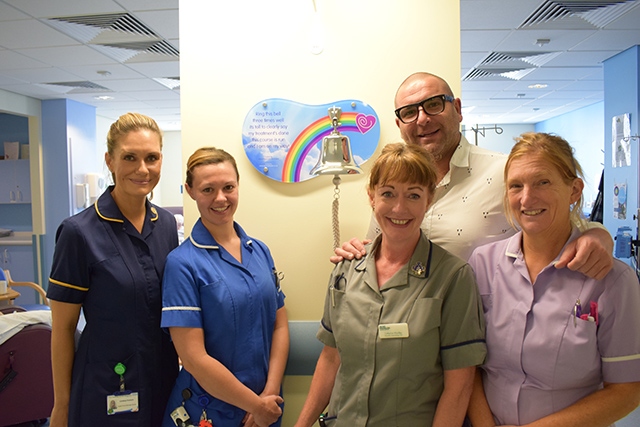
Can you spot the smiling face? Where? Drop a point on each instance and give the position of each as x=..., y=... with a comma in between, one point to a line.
x=215, y=189
x=539, y=199
x=399, y=209
x=135, y=163
x=439, y=134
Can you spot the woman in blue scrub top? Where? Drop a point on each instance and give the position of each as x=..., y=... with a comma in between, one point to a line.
x=224, y=308
x=109, y=261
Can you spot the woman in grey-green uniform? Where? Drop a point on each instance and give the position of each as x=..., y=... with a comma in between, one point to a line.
x=402, y=327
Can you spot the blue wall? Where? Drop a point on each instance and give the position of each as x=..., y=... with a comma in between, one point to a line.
x=622, y=96
x=68, y=152
x=584, y=131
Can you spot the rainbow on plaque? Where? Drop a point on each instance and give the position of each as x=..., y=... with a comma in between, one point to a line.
x=282, y=138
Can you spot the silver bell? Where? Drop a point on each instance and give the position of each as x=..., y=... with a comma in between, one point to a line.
x=336, y=157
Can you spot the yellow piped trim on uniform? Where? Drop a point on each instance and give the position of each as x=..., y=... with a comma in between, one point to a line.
x=95, y=205
x=66, y=285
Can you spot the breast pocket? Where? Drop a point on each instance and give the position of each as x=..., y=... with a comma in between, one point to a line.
x=339, y=310
x=578, y=361
x=216, y=295
x=223, y=306
x=111, y=286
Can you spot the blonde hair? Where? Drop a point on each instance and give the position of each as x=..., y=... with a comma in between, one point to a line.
x=208, y=156
x=405, y=163
x=557, y=152
x=130, y=122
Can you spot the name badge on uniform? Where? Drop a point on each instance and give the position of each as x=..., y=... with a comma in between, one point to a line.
x=393, y=330
x=122, y=402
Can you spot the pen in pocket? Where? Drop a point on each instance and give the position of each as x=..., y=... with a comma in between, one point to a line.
x=593, y=313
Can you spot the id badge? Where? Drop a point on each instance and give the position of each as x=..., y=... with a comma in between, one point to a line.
x=393, y=330
x=120, y=402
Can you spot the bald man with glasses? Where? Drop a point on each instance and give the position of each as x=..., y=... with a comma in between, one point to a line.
x=467, y=209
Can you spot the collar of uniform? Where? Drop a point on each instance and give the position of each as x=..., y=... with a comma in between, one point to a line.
x=108, y=210
x=460, y=159
x=420, y=263
x=418, y=266
x=201, y=238
x=514, y=245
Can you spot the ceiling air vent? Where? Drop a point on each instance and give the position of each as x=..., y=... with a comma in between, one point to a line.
x=158, y=47
x=475, y=74
x=501, y=57
x=497, y=73
x=118, y=35
x=112, y=21
x=172, y=83
x=597, y=13
x=523, y=58
x=604, y=16
x=509, y=65
x=80, y=87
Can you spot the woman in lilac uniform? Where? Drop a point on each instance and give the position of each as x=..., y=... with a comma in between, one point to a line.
x=109, y=260
x=563, y=349
x=224, y=308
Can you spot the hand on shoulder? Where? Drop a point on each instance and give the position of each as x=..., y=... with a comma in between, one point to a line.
x=354, y=248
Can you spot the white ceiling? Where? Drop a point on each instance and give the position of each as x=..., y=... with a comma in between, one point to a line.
x=583, y=34
x=36, y=51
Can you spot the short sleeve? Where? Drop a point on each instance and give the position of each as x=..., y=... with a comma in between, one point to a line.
x=325, y=330
x=181, y=305
x=69, y=278
x=462, y=340
x=619, y=329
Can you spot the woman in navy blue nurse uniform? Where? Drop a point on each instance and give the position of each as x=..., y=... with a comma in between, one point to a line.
x=109, y=261
x=224, y=309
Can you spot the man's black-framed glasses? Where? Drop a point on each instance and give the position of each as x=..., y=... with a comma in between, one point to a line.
x=431, y=106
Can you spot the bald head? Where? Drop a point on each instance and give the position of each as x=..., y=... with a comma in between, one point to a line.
x=438, y=133
x=422, y=77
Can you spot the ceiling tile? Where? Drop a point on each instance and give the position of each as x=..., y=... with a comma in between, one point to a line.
x=50, y=8
x=32, y=50
x=32, y=34
x=10, y=60
x=65, y=56
x=162, y=22
x=41, y=75
x=132, y=85
x=9, y=13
